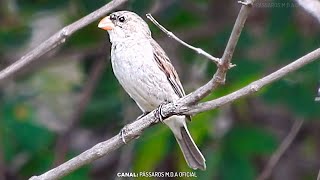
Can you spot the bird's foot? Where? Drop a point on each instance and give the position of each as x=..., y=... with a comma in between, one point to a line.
x=123, y=133
x=158, y=112
x=142, y=115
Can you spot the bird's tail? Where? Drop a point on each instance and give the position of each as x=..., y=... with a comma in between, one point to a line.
x=191, y=153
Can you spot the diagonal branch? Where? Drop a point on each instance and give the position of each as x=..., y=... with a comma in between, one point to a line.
x=134, y=129
x=224, y=64
x=281, y=150
x=254, y=86
x=184, y=105
x=57, y=39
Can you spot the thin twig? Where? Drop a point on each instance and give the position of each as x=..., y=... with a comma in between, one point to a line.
x=62, y=144
x=281, y=150
x=170, y=34
x=318, y=178
x=134, y=129
x=57, y=39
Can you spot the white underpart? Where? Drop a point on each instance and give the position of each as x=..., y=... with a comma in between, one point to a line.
x=136, y=70
x=139, y=75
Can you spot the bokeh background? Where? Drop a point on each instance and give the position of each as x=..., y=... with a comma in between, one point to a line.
x=69, y=100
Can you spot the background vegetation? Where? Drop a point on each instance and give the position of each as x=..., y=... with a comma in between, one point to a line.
x=69, y=100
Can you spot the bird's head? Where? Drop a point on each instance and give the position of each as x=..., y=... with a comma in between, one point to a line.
x=124, y=24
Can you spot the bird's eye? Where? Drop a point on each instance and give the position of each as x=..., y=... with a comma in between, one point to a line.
x=121, y=19
x=113, y=17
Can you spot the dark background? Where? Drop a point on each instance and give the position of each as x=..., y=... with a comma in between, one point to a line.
x=69, y=100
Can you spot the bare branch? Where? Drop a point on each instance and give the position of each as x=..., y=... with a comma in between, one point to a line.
x=254, y=86
x=58, y=38
x=86, y=157
x=223, y=64
x=170, y=34
x=225, y=61
x=184, y=105
x=281, y=150
x=135, y=129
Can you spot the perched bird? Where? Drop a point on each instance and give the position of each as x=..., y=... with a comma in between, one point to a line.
x=147, y=75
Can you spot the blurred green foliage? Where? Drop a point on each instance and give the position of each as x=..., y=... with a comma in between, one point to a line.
x=231, y=156
x=11, y=36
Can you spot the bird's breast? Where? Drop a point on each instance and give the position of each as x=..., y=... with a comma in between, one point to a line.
x=134, y=67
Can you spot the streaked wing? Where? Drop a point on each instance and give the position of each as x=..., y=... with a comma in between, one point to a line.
x=165, y=65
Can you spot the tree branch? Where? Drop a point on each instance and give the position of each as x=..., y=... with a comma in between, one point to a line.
x=134, y=129
x=224, y=64
x=252, y=87
x=184, y=105
x=280, y=151
x=57, y=39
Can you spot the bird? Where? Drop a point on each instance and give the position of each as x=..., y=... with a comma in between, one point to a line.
x=146, y=73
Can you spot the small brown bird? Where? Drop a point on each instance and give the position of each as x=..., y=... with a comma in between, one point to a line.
x=147, y=75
